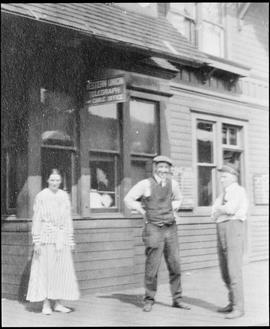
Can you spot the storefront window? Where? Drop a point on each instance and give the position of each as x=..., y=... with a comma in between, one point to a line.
x=61, y=160
x=58, y=138
x=104, y=127
x=103, y=192
x=143, y=126
x=104, y=132
x=144, y=137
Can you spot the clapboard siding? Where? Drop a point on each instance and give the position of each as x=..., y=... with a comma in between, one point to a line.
x=259, y=236
x=15, y=259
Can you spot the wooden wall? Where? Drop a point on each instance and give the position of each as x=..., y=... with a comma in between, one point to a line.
x=16, y=259
x=256, y=150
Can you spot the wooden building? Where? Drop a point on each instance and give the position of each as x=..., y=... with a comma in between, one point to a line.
x=97, y=90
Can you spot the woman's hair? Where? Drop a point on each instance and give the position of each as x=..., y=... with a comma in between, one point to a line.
x=54, y=172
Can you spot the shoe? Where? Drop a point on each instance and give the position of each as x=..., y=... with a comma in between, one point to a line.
x=234, y=314
x=147, y=307
x=46, y=310
x=225, y=309
x=180, y=305
x=62, y=309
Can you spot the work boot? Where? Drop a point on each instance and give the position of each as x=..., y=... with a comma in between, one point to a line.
x=234, y=314
x=147, y=307
x=179, y=304
x=225, y=309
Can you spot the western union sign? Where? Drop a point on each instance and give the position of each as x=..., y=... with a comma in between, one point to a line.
x=106, y=91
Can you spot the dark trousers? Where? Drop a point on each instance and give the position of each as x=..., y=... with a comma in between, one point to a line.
x=159, y=241
x=230, y=241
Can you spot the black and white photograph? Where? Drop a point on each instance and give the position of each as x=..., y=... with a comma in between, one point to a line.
x=135, y=164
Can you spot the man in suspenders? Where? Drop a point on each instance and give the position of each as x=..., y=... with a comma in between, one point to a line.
x=159, y=197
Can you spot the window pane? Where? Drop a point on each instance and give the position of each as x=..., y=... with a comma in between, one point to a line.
x=190, y=31
x=233, y=136
x=232, y=157
x=205, y=186
x=224, y=135
x=143, y=126
x=213, y=39
x=58, y=118
x=103, y=183
x=140, y=169
x=212, y=11
x=11, y=179
x=205, y=142
x=104, y=127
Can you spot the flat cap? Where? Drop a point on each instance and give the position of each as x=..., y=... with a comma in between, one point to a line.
x=162, y=158
x=230, y=169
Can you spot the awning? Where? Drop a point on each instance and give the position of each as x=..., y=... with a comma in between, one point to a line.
x=154, y=35
x=229, y=66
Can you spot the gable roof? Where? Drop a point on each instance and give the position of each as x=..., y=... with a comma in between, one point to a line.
x=151, y=34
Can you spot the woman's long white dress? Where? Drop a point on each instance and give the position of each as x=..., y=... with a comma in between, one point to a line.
x=52, y=271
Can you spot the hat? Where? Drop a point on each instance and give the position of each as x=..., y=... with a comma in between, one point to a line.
x=162, y=158
x=230, y=169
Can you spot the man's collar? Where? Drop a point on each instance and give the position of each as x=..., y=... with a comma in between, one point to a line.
x=230, y=186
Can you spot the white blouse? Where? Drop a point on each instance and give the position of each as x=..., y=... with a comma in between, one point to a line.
x=52, y=221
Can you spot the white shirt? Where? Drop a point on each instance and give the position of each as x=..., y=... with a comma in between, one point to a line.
x=143, y=189
x=235, y=204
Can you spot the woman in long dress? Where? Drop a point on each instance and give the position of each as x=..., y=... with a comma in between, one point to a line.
x=52, y=274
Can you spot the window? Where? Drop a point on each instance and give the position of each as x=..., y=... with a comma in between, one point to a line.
x=216, y=141
x=205, y=162
x=58, y=137
x=10, y=170
x=144, y=137
x=201, y=23
x=183, y=16
x=213, y=29
x=232, y=146
x=104, y=132
x=123, y=139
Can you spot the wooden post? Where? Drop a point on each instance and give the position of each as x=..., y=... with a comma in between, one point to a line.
x=84, y=180
x=34, y=146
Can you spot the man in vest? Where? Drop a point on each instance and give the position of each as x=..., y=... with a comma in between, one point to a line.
x=229, y=211
x=159, y=197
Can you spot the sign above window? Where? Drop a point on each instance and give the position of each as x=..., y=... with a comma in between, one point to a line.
x=111, y=90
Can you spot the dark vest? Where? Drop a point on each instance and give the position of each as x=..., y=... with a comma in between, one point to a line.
x=158, y=205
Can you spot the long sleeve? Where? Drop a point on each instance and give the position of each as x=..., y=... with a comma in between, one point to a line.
x=69, y=222
x=136, y=192
x=177, y=195
x=36, y=221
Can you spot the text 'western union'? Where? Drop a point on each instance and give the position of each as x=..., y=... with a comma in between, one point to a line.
x=105, y=92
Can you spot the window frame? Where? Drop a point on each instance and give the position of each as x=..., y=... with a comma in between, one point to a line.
x=73, y=154
x=218, y=120
x=98, y=155
x=190, y=20
x=8, y=210
x=116, y=154
x=199, y=20
x=207, y=164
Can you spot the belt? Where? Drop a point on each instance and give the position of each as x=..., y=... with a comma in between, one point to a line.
x=161, y=224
